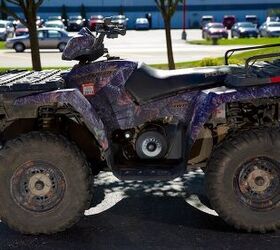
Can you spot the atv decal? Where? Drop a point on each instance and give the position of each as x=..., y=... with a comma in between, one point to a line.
x=88, y=89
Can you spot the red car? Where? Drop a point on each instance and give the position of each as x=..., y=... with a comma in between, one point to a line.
x=94, y=21
x=229, y=21
x=214, y=30
x=21, y=30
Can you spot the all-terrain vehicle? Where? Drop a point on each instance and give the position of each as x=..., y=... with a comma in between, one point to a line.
x=59, y=128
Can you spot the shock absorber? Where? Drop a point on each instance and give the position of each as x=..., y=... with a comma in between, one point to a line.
x=46, y=117
x=235, y=116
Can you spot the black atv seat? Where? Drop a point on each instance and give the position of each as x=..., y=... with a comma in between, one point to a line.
x=147, y=83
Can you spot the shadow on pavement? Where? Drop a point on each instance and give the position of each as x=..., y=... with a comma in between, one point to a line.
x=150, y=215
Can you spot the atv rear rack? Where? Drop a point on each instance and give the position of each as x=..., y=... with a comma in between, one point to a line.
x=230, y=52
x=254, y=74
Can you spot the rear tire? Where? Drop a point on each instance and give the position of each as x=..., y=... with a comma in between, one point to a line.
x=19, y=47
x=243, y=180
x=61, y=47
x=45, y=184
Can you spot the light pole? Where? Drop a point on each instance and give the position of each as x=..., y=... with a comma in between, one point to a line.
x=184, y=33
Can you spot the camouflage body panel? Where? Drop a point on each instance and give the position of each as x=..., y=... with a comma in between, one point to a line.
x=117, y=109
x=79, y=45
x=74, y=98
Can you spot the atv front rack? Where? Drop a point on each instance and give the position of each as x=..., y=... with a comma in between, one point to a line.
x=21, y=80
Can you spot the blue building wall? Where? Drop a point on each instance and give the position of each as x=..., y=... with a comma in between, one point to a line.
x=137, y=8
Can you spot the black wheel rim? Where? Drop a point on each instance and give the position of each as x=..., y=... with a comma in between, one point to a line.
x=37, y=186
x=257, y=184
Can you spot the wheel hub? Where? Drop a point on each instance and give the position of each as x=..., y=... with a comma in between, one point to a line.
x=38, y=186
x=259, y=180
x=257, y=184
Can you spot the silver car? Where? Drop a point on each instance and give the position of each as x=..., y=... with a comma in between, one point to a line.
x=270, y=29
x=55, y=24
x=6, y=29
x=49, y=38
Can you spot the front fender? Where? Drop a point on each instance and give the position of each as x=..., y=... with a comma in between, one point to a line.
x=208, y=101
x=74, y=98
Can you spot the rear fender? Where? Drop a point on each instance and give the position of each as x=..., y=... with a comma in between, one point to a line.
x=79, y=103
x=208, y=101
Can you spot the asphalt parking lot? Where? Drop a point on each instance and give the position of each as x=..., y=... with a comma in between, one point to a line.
x=146, y=215
x=145, y=46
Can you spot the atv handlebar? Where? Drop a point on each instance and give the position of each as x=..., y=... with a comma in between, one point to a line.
x=111, y=29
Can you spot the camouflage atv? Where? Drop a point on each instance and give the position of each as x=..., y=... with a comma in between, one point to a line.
x=58, y=128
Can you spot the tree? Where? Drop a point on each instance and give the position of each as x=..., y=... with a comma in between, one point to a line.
x=274, y=12
x=3, y=15
x=83, y=11
x=29, y=9
x=121, y=10
x=64, y=14
x=167, y=9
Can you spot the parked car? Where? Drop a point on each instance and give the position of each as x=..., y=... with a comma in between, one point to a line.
x=270, y=29
x=94, y=21
x=55, y=24
x=214, y=30
x=75, y=23
x=21, y=30
x=244, y=29
x=55, y=18
x=252, y=19
x=229, y=21
x=49, y=38
x=6, y=29
x=142, y=24
x=39, y=22
x=205, y=20
x=120, y=20
x=272, y=19
x=12, y=19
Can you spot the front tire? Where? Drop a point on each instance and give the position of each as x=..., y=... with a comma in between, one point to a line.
x=243, y=180
x=45, y=184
